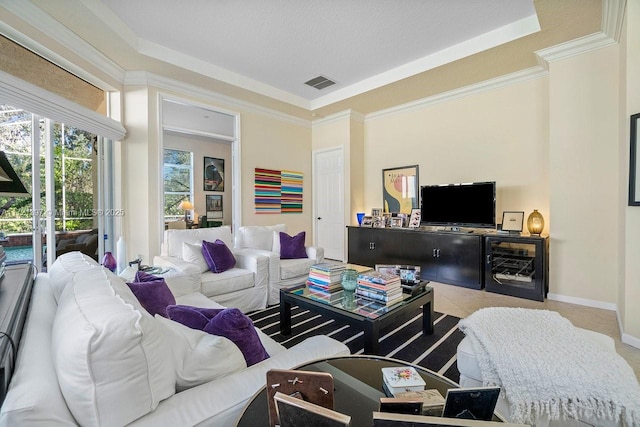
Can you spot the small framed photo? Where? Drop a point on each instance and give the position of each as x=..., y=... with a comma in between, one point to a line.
x=477, y=403
x=387, y=219
x=367, y=221
x=376, y=211
x=512, y=221
x=214, y=206
x=404, y=216
x=397, y=222
x=414, y=220
x=409, y=273
x=387, y=269
x=378, y=222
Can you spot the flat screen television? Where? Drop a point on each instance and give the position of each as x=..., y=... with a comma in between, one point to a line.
x=459, y=205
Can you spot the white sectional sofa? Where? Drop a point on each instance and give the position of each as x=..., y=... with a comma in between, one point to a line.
x=243, y=287
x=265, y=240
x=91, y=355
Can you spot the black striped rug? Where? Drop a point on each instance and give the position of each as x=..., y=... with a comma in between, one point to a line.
x=403, y=341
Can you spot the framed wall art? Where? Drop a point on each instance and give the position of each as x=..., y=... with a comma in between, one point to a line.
x=214, y=206
x=634, y=164
x=213, y=174
x=512, y=221
x=400, y=189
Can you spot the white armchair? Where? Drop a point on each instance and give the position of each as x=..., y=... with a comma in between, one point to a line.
x=243, y=287
x=265, y=240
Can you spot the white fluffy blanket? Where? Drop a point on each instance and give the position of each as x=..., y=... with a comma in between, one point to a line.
x=546, y=365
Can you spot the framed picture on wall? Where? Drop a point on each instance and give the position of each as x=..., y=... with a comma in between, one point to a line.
x=214, y=206
x=213, y=174
x=400, y=189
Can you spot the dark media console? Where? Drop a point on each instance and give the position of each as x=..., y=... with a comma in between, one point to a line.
x=506, y=264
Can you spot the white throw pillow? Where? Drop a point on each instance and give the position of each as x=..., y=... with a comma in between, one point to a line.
x=276, y=236
x=200, y=357
x=111, y=357
x=65, y=267
x=193, y=254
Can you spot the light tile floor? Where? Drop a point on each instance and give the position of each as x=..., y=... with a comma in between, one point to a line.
x=461, y=302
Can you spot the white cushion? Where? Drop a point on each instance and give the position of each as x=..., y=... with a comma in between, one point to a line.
x=111, y=357
x=193, y=254
x=290, y=268
x=200, y=357
x=232, y=280
x=65, y=267
x=34, y=397
x=173, y=239
x=259, y=236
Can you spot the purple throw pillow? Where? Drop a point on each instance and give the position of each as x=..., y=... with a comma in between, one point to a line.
x=232, y=324
x=218, y=256
x=192, y=317
x=292, y=247
x=153, y=295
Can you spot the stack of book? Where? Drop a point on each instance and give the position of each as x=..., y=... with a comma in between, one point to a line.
x=381, y=288
x=325, y=277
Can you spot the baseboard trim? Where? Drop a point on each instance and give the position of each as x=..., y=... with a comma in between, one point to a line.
x=625, y=338
x=583, y=301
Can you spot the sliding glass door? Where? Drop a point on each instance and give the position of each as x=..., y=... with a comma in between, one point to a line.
x=70, y=208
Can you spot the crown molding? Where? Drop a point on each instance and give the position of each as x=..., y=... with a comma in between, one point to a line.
x=342, y=115
x=144, y=78
x=499, y=36
x=613, y=17
x=487, y=85
x=36, y=17
x=207, y=69
x=572, y=48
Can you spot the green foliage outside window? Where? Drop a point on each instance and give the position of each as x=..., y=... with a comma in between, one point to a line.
x=74, y=149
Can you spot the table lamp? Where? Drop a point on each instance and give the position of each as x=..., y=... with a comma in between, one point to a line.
x=186, y=206
x=10, y=186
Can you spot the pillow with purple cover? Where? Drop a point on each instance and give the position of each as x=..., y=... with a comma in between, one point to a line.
x=292, y=247
x=230, y=323
x=192, y=317
x=153, y=294
x=218, y=256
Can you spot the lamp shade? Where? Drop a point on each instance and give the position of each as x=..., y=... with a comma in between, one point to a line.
x=10, y=184
x=185, y=205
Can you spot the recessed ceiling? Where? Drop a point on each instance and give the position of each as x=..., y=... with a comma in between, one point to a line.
x=274, y=47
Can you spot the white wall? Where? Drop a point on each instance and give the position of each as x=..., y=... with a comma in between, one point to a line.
x=500, y=135
x=584, y=175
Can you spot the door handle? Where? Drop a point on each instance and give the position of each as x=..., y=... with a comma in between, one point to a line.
x=488, y=259
x=434, y=253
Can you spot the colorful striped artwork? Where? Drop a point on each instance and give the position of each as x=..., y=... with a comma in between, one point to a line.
x=278, y=191
x=291, y=192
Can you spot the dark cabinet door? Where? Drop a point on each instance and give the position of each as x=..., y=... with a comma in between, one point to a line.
x=517, y=266
x=359, y=246
x=421, y=249
x=460, y=259
x=387, y=246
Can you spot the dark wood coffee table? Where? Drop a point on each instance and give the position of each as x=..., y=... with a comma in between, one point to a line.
x=358, y=312
x=357, y=388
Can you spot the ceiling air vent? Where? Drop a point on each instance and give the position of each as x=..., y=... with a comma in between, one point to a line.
x=320, y=82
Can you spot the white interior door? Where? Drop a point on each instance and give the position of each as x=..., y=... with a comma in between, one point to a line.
x=328, y=178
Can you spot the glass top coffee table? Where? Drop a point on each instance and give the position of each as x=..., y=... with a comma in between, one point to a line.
x=357, y=388
x=358, y=312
